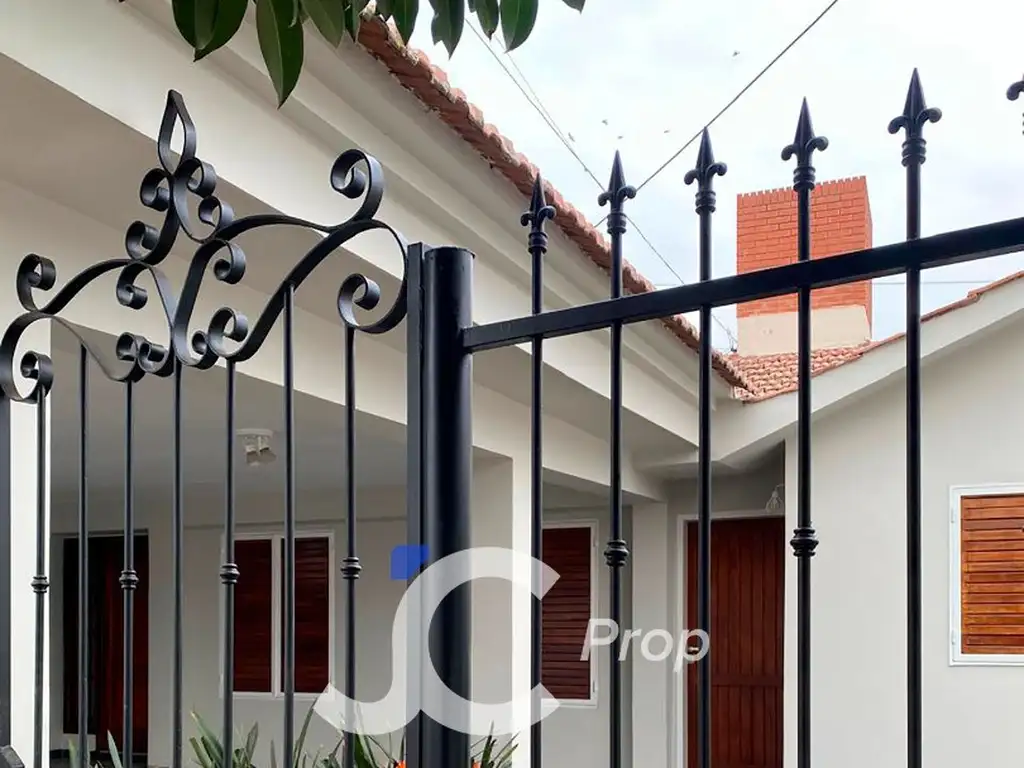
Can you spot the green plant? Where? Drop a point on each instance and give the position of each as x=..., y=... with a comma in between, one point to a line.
x=208, y=25
x=209, y=751
x=370, y=753
x=486, y=753
x=492, y=754
x=115, y=756
x=299, y=757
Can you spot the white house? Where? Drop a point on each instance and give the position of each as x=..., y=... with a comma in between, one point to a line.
x=73, y=152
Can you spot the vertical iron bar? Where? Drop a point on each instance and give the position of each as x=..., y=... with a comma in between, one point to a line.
x=804, y=539
x=289, y=525
x=6, y=585
x=704, y=174
x=804, y=488
x=350, y=566
x=616, y=553
x=178, y=555
x=912, y=121
x=448, y=282
x=229, y=573
x=83, y=559
x=40, y=583
x=913, y=483
x=129, y=577
x=537, y=246
x=415, y=495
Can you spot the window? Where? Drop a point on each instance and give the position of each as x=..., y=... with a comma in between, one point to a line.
x=259, y=614
x=566, y=611
x=987, y=568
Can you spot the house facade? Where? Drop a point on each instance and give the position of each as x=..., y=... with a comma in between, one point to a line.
x=74, y=153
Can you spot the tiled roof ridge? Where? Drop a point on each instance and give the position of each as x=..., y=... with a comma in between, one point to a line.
x=414, y=71
x=827, y=183
x=754, y=392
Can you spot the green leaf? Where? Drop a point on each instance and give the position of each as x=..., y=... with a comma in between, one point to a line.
x=185, y=19
x=206, y=13
x=517, y=20
x=115, y=756
x=281, y=45
x=201, y=757
x=230, y=15
x=250, y=743
x=576, y=5
x=404, y=12
x=328, y=16
x=352, y=18
x=487, y=13
x=449, y=19
x=300, y=743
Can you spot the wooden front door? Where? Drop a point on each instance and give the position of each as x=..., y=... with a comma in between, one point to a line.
x=106, y=641
x=747, y=578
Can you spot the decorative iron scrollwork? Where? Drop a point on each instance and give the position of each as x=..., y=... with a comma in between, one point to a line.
x=181, y=179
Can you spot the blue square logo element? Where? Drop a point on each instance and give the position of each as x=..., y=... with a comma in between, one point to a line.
x=406, y=560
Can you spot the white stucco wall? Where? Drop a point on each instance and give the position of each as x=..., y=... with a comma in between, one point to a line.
x=972, y=423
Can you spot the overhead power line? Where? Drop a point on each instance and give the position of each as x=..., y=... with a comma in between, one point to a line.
x=739, y=95
x=537, y=103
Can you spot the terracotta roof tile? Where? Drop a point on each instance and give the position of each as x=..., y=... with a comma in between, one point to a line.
x=771, y=375
x=768, y=376
x=430, y=85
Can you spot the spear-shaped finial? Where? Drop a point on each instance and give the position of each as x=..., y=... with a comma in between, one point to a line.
x=617, y=193
x=804, y=144
x=704, y=174
x=535, y=216
x=915, y=114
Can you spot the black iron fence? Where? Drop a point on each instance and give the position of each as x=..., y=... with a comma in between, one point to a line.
x=434, y=300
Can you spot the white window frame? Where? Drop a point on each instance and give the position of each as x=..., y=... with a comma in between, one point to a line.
x=957, y=657
x=592, y=526
x=276, y=613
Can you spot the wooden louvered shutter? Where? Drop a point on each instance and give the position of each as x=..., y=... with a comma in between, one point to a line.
x=566, y=613
x=312, y=613
x=254, y=640
x=992, y=574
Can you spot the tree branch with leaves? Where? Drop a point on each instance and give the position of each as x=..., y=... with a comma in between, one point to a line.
x=281, y=25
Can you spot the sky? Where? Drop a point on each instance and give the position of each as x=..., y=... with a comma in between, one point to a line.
x=644, y=80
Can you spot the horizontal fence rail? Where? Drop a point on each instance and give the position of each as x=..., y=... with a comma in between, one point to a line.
x=971, y=244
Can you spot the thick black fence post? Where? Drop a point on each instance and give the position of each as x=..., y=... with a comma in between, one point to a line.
x=447, y=467
x=414, y=493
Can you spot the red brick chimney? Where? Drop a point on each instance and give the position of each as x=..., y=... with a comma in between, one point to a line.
x=766, y=237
